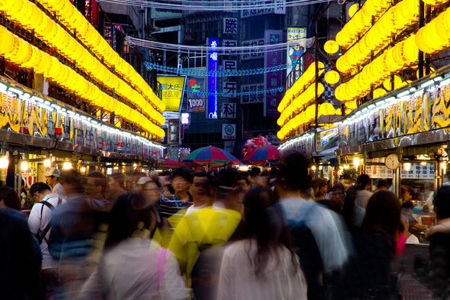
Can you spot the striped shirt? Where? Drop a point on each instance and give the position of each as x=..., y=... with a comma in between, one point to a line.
x=170, y=206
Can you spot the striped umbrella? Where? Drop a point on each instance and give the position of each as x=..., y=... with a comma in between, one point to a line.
x=211, y=156
x=262, y=155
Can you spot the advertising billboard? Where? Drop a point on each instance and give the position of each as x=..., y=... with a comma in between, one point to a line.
x=196, y=95
x=296, y=47
x=172, y=90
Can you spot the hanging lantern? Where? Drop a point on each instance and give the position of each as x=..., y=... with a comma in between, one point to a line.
x=331, y=47
x=332, y=77
x=353, y=10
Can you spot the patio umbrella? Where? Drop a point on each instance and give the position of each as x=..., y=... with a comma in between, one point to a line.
x=262, y=155
x=210, y=156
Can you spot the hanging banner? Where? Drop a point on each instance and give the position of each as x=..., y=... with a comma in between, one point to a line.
x=172, y=90
x=213, y=66
x=272, y=80
x=296, y=47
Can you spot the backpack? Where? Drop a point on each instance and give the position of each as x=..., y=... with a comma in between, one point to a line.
x=307, y=251
x=41, y=234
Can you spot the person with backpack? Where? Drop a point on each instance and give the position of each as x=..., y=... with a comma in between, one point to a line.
x=318, y=234
x=39, y=224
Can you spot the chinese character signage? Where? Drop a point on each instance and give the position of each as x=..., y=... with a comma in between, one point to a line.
x=196, y=95
x=228, y=111
x=253, y=52
x=273, y=80
x=252, y=93
x=213, y=66
x=230, y=25
x=172, y=89
x=278, y=7
x=229, y=88
x=230, y=44
x=296, y=47
x=229, y=65
x=228, y=131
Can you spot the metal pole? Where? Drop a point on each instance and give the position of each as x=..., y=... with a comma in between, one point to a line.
x=421, y=24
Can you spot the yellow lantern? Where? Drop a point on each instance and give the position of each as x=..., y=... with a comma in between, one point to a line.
x=332, y=77
x=331, y=47
x=353, y=10
x=379, y=93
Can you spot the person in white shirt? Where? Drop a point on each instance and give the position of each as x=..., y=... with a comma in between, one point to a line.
x=52, y=178
x=202, y=191
x=40, y=227
x=40, y=217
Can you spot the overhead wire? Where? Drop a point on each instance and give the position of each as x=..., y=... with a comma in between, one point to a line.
x=206, y=5
x=233, y=50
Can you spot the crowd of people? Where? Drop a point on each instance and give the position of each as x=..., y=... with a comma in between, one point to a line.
x=224, y=234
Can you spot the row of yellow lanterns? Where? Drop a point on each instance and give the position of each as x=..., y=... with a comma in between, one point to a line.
x=300, y=85
x=432, y=39
x=361, y=22
x=21, y=53
x=305, y=117
x=401, y=56
x=394, y=21
x=300, y=101
x=435, y=36
x=33, y=19
x=71, y=18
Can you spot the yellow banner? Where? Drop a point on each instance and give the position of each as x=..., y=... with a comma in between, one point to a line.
x=172, y=88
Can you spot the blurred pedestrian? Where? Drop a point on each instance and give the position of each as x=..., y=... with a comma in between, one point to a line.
x=181, y=182
x=168, y=191
x=382, y=185
x=253, y=175
x=95, y=188
x=362, y=196
x=134, y=266
x=436, y=273
x=263, y=265
x=318, y=234
x=115, y=187
x=320, y=187
x=39, y=222
x=9, y=198
x=336, y=201
x=244, y=182
x=20, y=256
x=73, y=235
x=210, y=226
x=202, y=191
x=369, y=276
x=406, y=193
x=52, y=179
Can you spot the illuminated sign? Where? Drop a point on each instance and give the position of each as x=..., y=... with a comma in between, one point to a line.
x=172, y=89
x=213, y=66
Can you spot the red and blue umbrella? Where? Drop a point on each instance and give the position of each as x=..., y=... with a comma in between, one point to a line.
x=262, y=155
x=211, y=155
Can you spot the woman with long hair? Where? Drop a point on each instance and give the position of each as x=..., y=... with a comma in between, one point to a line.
x=369, y=276
x=263, y=265
x=133, y=265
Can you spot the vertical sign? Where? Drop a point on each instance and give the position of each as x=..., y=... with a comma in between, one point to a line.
x=213, y=66
x=272, y=80
x=296, y=47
